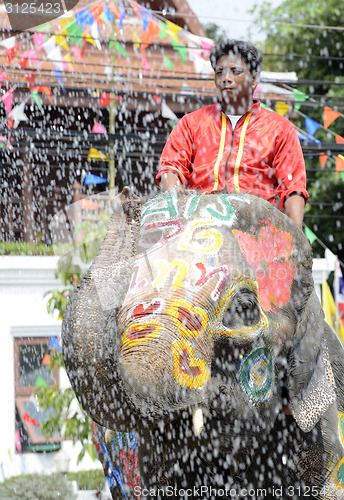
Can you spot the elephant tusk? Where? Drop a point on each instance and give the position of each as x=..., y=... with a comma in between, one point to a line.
x=109, y=434
x=197, y=418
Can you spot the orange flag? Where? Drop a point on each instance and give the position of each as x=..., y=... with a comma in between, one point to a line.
x=323, y=160
x=330, y=115
x=339, y=163
x=339, y=139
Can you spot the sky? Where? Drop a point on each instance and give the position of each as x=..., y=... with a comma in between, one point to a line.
x=231, y=15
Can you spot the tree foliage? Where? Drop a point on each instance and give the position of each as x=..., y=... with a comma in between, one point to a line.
x=302, y=37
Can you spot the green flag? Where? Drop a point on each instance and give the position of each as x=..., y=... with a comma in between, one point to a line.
x=167, y=63
x=310, y=235
x=120, y=49
x=37, y=99
x=40, y=382
x=300, y=97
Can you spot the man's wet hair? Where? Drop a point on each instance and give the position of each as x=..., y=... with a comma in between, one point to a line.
x=248, y=53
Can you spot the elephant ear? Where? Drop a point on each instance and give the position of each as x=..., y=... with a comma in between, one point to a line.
x=312, y=386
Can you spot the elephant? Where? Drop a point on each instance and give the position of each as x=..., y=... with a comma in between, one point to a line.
x=197, y=344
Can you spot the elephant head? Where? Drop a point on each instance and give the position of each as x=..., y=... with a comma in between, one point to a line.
x=207, y=314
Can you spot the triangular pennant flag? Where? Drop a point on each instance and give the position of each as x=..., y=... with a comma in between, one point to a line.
x=93, y=179
x=163, y=29
x=83, y=17
x=323, y=160
x=167, y=112
x=330, y=115
x=300, y=136
x=38, y=40
x=37, y=99
x=310, y=235
x=145, y=64
x=104, y=99
x=95, y=154
x=7, y=99
x=330, y=310
x=311, y=126
x=3, y=76
x=40, y=382
x=181, y=49
x=5, y=143
x=55, y=343
x=98, y=129
x=339, y=163
x=299, y=97
x=17, y=114
x=206, y=46
x=46, y=359
x=282, y=107
x=167, y=63
x=339, y=139
x=120, y=49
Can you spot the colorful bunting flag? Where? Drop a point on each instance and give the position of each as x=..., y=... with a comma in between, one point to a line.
x=310, y=235
x=93, y=179
x=282, y=107
x=38, y=40
x=17, y=114
x=339, y=163
x=37, y=99
x=323, y=160
x=167, y=112
x=120, y=49
x=95, y=154
x=311, y=126
x=339, y=139
x=53, y=342
x=167, y=63
x=7, y=99
x=40, y=382
x=330, y=115
x=206, y=46
x=299, y=97
x=98, y=129
x=46, y=359
x=331, y=314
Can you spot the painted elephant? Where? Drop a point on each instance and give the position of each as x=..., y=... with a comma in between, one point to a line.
x=197, y=336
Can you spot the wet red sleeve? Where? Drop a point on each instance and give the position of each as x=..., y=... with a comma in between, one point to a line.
x=177, y=153
x=289, y=166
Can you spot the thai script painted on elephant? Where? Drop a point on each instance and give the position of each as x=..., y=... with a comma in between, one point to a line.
x=126, y=472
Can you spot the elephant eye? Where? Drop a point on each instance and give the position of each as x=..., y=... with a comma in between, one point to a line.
x=244, y=308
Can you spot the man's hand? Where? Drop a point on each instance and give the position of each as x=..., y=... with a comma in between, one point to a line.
x=294, y=207
x=170, y=180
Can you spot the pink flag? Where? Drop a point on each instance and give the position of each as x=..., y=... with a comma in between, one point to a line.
x=206, y=46
x=98, y=129
x=145, y=65
x=38, y=40
x=7, y=99
x=76, y=51
x=3, y=76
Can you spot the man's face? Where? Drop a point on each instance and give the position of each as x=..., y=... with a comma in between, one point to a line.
x=233, y=80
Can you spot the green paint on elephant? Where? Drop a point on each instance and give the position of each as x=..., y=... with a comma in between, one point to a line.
x=165, y=203
x=256, y=374
x=340, y=475
x=227, y=214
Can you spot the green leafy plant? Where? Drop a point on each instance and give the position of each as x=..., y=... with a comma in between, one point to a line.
x=69, y=419
x=20, y=248
x=88, y=479
x=37, y=487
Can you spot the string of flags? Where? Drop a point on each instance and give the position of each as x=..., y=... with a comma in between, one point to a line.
x=83, y=26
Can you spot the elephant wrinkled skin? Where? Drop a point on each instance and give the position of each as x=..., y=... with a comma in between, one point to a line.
x=197, y=334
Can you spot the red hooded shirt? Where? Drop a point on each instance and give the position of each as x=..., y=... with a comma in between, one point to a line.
x=262, y=156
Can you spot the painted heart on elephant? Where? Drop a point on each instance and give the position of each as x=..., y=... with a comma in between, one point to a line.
x=199, y=330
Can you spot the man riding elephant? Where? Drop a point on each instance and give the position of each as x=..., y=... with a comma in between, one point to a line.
x=187, y=330
x=236, y=145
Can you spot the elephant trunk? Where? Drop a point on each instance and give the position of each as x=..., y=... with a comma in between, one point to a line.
x=163, y=371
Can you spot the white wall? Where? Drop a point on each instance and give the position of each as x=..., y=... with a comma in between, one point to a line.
x=23, y=281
